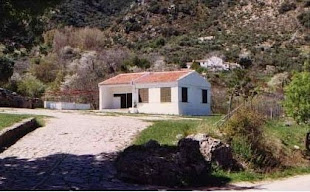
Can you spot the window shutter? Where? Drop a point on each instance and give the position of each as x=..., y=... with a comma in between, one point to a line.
x=143, y=95
x=165, y=94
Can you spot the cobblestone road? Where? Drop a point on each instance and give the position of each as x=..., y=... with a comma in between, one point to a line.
x=73, y=151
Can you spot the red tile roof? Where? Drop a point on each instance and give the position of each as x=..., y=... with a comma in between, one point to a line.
x=161, y=77
x=125, y=78
x=146, y=77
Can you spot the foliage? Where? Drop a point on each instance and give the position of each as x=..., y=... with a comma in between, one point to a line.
x=304, y=19
x=31, y=86
x=297, y=97
x=244, y=132
x=6, y=69
x=139, y=62
x=80, y=13
x=21, y=22
x=45, y=70
x=287, y=6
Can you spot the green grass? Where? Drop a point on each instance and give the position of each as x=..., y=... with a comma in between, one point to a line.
x=7, y=120
x=289, y=136
x=165, y=132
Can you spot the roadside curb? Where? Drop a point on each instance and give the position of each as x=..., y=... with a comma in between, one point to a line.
x=11, y=135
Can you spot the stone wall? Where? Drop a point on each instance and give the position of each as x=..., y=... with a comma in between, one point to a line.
x=11, y=135
x=11, y=99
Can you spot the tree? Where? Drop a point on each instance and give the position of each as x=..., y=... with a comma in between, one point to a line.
x=239, y=84
x=31, y=86
x=6, y=69
x=297, y=98
x=21, y=21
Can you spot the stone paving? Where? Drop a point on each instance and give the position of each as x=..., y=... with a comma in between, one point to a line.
x=73, y=151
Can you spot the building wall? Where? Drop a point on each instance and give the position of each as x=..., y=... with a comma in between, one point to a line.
x=66, y=106
x=155, y=106
x=195, y=84
x=107, y=99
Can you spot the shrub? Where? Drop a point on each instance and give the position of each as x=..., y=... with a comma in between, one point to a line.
x=304, y=19
x=245, y=134
x=31, y=86
x=6, y=69
x=136, y=61
x=297, y=98
x=45, y=69
x=286, y=6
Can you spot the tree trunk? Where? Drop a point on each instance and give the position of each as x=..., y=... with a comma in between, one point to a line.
x=230, y=104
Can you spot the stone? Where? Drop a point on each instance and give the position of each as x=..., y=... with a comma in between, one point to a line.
x=163, y=165
x=214, y=150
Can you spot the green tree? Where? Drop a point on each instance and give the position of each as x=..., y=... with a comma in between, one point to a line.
x=6, y=69
x=31, y=86
x=297, y=98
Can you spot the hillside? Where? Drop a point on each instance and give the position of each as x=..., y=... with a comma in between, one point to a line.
x=77, y=43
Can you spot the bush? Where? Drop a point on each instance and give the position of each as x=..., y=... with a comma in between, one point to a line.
x=45, y=69
x=304, y=19
x=136, y=61
x=31, y=86
x=297, y=98
x=245, y=134
x=286, y=6
x=6, y=69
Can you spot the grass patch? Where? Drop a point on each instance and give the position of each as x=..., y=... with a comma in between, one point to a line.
x=275, y=132
x=7, y=120
x=165, y=132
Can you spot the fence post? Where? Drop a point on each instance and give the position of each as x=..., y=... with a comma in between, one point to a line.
x=271, y=113
x=308, y=141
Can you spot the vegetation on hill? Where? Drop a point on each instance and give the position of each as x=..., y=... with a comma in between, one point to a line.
x=264, y=148
x=74, y=44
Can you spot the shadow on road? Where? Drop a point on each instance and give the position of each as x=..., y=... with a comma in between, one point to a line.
x=74, y=172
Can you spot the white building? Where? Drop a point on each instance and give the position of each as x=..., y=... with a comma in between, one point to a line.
x=175, y=93
x=215, y=64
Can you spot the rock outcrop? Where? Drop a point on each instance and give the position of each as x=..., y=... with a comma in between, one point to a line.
x=163, y=165
x=187, y=164
x=11, y=99
x=214, y=150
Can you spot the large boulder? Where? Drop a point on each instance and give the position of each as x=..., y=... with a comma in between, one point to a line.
x=171, y=166
x=214, y=150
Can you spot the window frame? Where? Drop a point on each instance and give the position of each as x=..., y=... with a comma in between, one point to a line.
x=184, y=98
x=145, y=94
x=203, y=97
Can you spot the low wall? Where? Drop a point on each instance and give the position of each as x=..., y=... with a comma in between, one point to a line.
x=11, y=135
x=66, y=106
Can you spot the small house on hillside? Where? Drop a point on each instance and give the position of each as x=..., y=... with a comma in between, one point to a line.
x=174, y=92
x=214, y=64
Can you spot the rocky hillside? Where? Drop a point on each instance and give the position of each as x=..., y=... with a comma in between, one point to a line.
x=73, y=44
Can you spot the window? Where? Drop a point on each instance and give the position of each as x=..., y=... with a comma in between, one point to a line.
x=184, y=95
x=143, y=95
x=204, y=96
x=165, y=94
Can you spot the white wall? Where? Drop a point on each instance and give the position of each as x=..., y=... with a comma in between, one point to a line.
x=154, y=106
x=195, y=84
x=66, y=106
x=107, y=99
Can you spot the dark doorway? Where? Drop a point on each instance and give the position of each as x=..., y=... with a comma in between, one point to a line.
x=126, y=100
x=129, y=100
